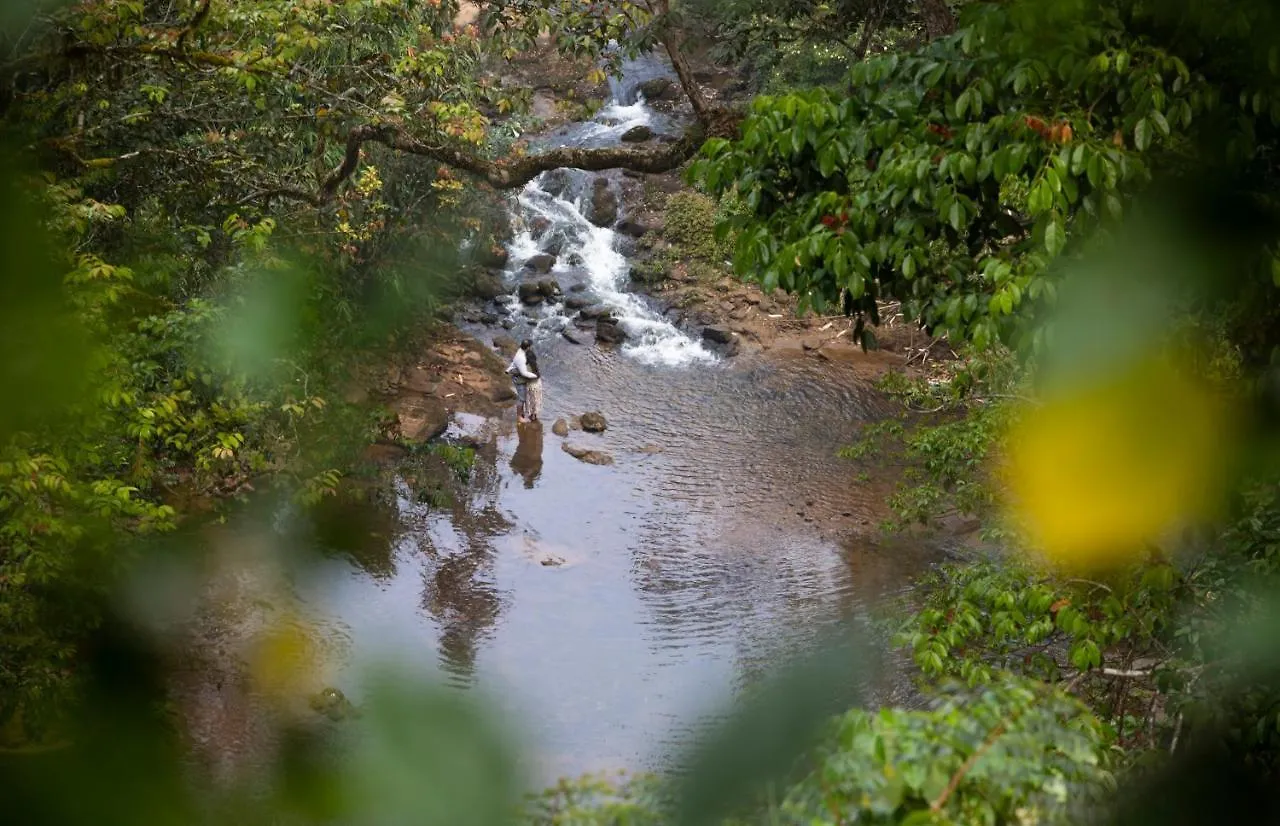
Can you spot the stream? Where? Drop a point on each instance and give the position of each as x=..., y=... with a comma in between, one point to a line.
x=610, y=612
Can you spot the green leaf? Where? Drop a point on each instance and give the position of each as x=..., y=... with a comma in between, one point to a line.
x=1055, y=238
x=1142, y=135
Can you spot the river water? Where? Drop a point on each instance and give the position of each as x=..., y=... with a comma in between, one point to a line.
x=611, y=611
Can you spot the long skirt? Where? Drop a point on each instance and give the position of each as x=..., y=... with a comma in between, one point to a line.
x=532, y=405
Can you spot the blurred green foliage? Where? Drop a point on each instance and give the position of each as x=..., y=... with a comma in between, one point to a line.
x=900, y=188
x=199, y=261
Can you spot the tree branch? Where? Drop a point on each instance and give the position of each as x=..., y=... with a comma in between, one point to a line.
x=505, y=173
x=517, y=170
x=197, y=20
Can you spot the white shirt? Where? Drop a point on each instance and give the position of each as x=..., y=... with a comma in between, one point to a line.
x=520, y=365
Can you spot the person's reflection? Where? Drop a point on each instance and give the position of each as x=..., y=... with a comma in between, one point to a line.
x=528, y=459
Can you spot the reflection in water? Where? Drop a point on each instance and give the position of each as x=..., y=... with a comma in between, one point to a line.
x=527, y=460
x=611, y=608
x=459, y=589
x=359, y=529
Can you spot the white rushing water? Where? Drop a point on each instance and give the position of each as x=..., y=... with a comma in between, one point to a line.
x=590, y=255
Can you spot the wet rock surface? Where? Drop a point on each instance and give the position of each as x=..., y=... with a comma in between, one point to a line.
x=638, y=134
x=593, y=422
x=586, y=455
x=602, y=206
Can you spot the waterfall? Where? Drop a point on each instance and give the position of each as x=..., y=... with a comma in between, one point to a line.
x=551, y=213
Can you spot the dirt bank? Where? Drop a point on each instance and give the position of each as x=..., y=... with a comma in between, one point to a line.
x=449, y=372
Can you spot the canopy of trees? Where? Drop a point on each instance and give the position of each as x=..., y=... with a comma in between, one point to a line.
x=953, y=177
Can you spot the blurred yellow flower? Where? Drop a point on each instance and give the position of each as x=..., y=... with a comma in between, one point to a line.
x=1099, y=470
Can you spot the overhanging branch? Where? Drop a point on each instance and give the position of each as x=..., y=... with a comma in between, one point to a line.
x=514, y=170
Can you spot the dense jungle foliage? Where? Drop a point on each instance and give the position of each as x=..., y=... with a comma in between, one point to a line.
x=219, y=214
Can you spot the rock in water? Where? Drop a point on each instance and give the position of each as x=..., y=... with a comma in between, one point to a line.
x=655, y=88
x=541, y=263
x=556, y=182
x=718, y=334
x=602, y=207
x=594, y=311
x=591, y=457
x=633, y=228
x=577, y=302
x=560, y=428
x=637, y=134
x=333, y=704
x=594, y=422
x=608, y=331
x=506, y=345
x=549, y=287
x=530, y=293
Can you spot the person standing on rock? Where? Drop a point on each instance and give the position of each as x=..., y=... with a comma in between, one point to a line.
x=533, y=392
x=523, y=370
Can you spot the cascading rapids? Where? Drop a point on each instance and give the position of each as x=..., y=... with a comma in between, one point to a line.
x=589, y=254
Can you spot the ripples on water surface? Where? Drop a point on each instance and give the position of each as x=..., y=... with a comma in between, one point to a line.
x=687, y=566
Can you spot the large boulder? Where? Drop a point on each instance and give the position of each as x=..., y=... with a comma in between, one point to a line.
x=421, y=420
x=541, y=263
x=556, y=182
x=609, y=331
x=550, y=288
x=487, y=286
x=577, y=302
x=593, y=422
x=530, y=293
x=655, y=88
x=633, y=228
x=602, y=206
x=717, y=333
x=637, y=134
x=594, y=311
